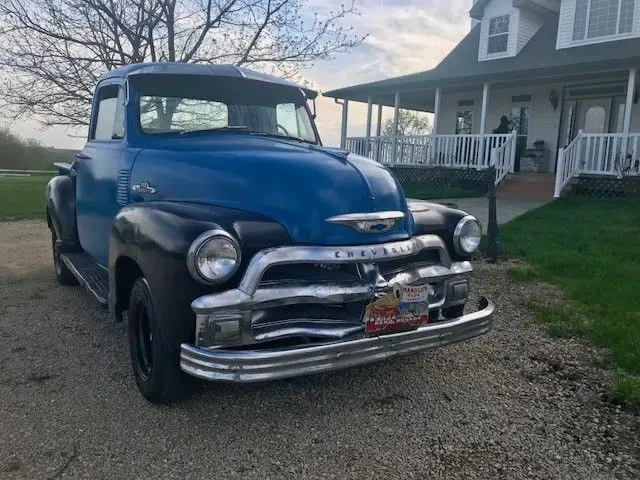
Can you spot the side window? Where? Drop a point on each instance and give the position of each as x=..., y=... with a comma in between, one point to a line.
x=109, y=117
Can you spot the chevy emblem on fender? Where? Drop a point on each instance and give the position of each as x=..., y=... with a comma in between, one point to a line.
x=374, y=222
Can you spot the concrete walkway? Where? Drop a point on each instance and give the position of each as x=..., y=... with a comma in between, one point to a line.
x=479, y=207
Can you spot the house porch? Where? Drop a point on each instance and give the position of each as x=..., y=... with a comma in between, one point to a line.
x=588, y=124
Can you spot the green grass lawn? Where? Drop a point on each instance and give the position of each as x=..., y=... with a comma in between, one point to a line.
x=591, y=249
x=22, y=197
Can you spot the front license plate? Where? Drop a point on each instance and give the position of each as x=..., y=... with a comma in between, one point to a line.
x=406, y=308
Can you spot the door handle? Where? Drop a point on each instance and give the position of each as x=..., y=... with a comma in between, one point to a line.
x=82, y=156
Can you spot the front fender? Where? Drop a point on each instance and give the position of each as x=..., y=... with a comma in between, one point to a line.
x=60, y=201
x=157, y=235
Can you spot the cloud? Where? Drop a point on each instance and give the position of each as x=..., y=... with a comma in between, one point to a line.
x=404, y=36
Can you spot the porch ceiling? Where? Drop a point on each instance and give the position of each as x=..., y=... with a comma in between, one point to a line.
x=537, y=61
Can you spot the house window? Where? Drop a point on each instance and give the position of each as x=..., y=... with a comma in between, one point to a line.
x=464, y=122
x=498, y=34
x=602, y=18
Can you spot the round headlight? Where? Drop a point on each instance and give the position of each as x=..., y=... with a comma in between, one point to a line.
x=467, y=235
x=213, y=257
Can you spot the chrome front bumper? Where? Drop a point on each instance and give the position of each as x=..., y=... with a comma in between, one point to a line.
x=230, y=324
x=258, y=365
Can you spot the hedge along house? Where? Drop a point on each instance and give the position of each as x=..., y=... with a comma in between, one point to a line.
x=562, y=72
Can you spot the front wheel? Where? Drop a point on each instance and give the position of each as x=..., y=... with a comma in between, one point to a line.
x=155, y=365
x=63, y=274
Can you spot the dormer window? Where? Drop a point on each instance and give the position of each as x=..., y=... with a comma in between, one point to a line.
x=602, y=18
x=499, y=34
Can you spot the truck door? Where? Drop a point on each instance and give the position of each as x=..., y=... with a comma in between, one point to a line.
x=102, y=165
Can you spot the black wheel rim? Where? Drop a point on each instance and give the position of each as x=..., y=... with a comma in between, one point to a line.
x=144, y=341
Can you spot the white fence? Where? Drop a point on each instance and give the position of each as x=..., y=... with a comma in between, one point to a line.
x=614, y=154
x=454, y=151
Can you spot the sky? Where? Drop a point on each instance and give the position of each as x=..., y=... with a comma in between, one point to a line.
x=404, y=36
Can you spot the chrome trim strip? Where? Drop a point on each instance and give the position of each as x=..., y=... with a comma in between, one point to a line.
x=270, y=257
x=259, y=365
x=370, y=222
x=351, y=217
x=289, y=293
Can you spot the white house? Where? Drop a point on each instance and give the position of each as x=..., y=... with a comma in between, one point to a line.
x=563, y=72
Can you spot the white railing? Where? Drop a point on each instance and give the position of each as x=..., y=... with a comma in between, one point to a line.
x=454, y=151
x=392, y=150
x=615, y=154
x=503, y=157
x=465, y=151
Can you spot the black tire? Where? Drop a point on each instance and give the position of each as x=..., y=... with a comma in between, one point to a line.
x=155, y=363
x=453, y=312
x=63, y=274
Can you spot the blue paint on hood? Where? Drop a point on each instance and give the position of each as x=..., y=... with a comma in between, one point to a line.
x=299, y=185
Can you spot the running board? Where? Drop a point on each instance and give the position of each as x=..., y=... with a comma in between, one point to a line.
x=89, y=273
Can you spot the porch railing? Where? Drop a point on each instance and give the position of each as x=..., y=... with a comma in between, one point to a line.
x=614, y=154
x=470, y=151
x=392, y=150
x=503, y=157
x=456, y=151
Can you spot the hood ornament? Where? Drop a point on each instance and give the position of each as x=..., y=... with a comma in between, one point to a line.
x=374, y=222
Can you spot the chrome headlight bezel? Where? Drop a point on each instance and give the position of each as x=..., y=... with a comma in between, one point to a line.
x=196, y=248
x=457, y=240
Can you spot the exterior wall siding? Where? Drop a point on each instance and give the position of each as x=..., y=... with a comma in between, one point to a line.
x=528, y=24
x=496, y=8
x=565, y=27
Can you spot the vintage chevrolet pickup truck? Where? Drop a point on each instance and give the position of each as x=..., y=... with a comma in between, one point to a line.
x=205, y=210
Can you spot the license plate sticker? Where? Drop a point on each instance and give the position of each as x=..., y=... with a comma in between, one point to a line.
x=405, y=308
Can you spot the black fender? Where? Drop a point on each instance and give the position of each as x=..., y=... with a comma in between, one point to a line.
x=440, y=220
x=60, y=200
x=153, y=238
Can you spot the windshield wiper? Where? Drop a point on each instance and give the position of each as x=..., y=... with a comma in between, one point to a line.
x=286, y=137
x=214, y=129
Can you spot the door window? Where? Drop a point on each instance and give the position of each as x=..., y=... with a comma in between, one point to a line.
x=108, y=123
x=594, y=119
x=464, y=122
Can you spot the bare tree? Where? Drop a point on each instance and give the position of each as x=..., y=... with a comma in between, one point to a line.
x=409, y=123
x=52, y=52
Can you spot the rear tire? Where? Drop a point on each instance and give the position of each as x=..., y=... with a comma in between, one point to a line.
x=63, y=274
x=155, y=364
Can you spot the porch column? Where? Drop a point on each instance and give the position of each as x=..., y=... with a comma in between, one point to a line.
x=369, y=111
x=378, y=132
x=485, y=104
x=396, y=111
x=631, y=85
x=436, y=121
x=482, y=159
x=343, y=128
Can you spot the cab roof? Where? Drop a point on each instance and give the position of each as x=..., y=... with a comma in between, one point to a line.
x=177, y=68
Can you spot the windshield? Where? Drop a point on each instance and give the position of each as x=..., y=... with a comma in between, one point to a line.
x=170, y=105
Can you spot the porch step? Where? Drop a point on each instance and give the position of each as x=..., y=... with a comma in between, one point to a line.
x=527, y=186
x=88, y=273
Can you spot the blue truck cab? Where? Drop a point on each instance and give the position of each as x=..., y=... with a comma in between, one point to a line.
x=205, y=211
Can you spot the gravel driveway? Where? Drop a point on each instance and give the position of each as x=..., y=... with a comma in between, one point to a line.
x=512, y=404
